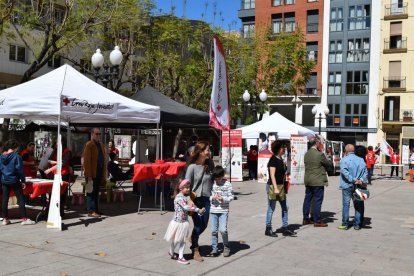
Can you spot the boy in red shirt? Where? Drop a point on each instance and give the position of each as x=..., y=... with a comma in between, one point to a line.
x=370, y=161
x=252, y=157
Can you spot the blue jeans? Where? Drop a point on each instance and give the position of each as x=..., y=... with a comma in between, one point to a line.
x=200, y=222
x=370, y=173
x=314, y=193
x=92, y=199
x=358, y=205
x=271, y=206
x=219, y=223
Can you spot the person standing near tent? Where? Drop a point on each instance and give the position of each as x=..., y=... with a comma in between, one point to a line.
x=252, y=157
x=316, y=179
x=112, y=148
x=28, y=161
x=199, y=173
x=94, y=163
x=395, y=160
x=370, y=161
x=12, y=178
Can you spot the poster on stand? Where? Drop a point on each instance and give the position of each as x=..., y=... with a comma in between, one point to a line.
x=405, y=152
x=231, y=154
x=265, y=152
x=298, y=147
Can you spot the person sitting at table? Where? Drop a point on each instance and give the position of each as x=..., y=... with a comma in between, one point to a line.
x=13, y=178
x=44, y=160
x=28, y=161
x=112, y=148
x=66, y=172
x=115, y=171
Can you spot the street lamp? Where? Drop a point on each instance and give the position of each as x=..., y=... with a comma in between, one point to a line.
x=319, y=117
x=261, y=98
x=110, y=73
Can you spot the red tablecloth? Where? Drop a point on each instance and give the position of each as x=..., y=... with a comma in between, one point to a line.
x=40, y=188
x=155, y=171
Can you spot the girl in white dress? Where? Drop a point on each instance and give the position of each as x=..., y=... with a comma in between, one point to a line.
x=178, y=228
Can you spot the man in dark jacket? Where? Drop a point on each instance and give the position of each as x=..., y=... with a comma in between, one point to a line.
x=316, y=179
x=12, y=177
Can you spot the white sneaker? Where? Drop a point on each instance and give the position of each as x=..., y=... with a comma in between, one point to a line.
x=1, y=219
x=28, y=222
x=6, y=222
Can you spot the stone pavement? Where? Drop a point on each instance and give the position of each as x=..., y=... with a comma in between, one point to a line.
x=125, y=243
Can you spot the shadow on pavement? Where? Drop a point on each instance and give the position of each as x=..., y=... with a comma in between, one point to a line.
x=81, y=221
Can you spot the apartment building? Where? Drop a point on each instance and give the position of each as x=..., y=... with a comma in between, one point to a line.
x=396, y=93
x=287, y=16
x=351, y=70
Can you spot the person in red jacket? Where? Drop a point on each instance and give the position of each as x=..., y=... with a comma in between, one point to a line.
x=28, y=161
x=252, y=157
x=370, y=161
x=395, y=160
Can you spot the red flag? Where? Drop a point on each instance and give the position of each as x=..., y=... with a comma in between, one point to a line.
x=386, y=148
x=220, y=100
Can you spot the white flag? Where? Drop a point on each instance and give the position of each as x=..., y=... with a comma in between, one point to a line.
x=386, y=148
x=220, y=100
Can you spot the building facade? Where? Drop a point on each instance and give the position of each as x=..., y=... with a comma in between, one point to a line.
x=396, y=93
x=351, y=75
x=287, y=16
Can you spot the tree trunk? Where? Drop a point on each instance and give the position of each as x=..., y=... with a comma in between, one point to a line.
x=177, y=142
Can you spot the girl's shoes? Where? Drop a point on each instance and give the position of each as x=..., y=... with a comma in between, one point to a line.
x=6, y=221
x=183, y=261
x=173, y=256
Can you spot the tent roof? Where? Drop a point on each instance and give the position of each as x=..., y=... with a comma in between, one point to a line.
x=76, y=98
x=275, y=123
x=172, y=113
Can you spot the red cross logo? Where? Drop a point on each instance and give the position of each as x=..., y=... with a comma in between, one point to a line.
x=66, y=101
x=218, y=107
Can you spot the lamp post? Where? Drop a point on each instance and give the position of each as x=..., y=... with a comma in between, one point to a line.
x=319, y=116
x=110, y=73
x=262, y=97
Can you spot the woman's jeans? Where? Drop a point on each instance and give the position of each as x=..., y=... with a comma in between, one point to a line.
x=219, y=223
x=18, y=191
x=200, y=222
x=271, y=206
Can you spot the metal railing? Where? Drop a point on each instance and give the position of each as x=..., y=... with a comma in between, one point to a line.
x=403, y=115
x=395, y=43
x=396, y=9
x=394, y=82
x=311, y=91
x=313, y=55
x=312, y=27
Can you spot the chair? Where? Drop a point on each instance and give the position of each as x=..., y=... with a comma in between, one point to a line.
x=72, y=181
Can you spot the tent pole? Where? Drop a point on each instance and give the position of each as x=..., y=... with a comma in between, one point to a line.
x=229, y=153
x=157, y=148
x=161, y=146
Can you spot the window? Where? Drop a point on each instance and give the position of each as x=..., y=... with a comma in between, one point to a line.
x=358, y=50
x=334, y=117
x=312, y=21
x=337, y=20
x=248, y=30
x=310, y=1
x=359, y=17
x=289, y=2
x=248, y=4
x=334, y=83
x=335, y=51
x=357, y=82
x=312, y=49
x=312, y=84
x=356, y=115
x=59, y=15
x=54, y=62
x=290, y=22
x=17, y=53
x=277, y=25
x=396, y=41
x=277, y=2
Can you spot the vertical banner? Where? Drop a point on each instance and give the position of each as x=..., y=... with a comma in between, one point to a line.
x=405, y=154
x=220, y=99
x=231, y=154
x=265, y=152
x=298, y=146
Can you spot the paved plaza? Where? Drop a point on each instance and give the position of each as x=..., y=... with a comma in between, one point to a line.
x=125, y=243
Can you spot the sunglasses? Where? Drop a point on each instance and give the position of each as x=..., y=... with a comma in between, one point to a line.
x=97, y=134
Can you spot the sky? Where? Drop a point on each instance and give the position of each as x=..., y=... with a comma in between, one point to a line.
x=226, y=11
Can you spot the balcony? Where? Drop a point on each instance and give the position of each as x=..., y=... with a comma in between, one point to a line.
x=313, y=55
x=394, y=84
x=311, y=92
x=396, y=11
x=398, y=116
x=395, y=44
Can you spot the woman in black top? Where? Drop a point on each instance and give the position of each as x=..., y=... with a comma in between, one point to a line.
x=277, y=174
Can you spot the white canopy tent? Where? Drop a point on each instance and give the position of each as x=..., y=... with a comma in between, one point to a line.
x=66, y=95
x=275, y=123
